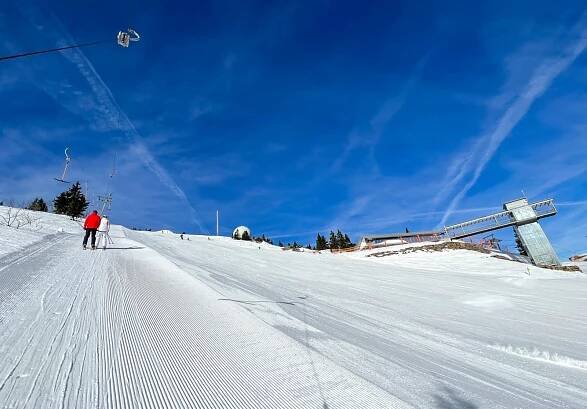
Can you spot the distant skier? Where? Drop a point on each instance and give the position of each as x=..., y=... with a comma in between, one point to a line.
x=91, y=225
x=103, y=230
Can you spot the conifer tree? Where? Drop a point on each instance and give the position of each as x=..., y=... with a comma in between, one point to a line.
x=60, y=203
x=71, y=202
x=347, y=242
x=38, y=204
x=245, y=236
x=339, y=240
x=332, y=241
x=77, y=201
x=321, y=242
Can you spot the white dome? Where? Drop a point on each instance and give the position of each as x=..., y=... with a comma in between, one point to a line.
x=240, y=230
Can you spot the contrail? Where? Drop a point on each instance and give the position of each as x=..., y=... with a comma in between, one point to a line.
x=116, y=117
x=120, y=120
x=539, y=82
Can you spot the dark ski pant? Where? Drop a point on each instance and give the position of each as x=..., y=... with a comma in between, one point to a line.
x=93, y=232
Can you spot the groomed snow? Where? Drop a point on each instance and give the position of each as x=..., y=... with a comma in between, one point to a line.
x=210, y=322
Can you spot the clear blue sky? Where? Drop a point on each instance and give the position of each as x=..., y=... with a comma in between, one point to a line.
x=297, y=117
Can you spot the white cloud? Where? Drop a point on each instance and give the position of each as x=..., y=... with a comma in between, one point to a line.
x=473, y=162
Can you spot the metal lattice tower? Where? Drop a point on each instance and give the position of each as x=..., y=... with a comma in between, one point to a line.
x=106, y=202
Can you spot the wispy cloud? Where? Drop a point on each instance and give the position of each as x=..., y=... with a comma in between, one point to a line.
x=473, y=162
x=380, y=120
x=111, y=112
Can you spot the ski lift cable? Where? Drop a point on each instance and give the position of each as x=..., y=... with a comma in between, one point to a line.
x=50, y=50
x=123, y=39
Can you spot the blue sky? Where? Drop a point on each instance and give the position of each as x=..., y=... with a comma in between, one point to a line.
x=295, y=118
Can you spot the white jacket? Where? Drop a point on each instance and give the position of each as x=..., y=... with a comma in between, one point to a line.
x=104, y=225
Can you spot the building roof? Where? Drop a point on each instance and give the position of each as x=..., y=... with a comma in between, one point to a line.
x=373, y=237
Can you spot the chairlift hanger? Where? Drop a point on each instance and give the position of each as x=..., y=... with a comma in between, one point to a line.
x=67, y=161
x=125, y=37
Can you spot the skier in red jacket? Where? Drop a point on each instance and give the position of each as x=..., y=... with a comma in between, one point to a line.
x=91, y=225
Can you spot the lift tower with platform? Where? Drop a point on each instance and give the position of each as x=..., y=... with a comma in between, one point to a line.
x=523, y=217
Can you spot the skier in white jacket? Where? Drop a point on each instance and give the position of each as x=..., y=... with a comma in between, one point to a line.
x=103, y=231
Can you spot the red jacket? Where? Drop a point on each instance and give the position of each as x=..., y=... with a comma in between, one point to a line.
x=92, y=221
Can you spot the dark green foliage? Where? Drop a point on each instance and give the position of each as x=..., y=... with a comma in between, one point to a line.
x=338, y=240
x=519, y=244
x=72, y=202
x=39, y=205
x=60, y=203
x=246, y=236
x=347, y=242
x=332, y=244
x=321, y=243
x=263, y=239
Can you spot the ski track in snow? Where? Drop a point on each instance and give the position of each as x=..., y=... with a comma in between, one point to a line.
x=212, y=323
x=125, y=328
x=415, y=329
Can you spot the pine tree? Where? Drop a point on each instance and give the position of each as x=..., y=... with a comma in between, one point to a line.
x=38, y=204
x=519, y=244
x=280, y=244
x=339, y=239
x=77, y=201
x=71, y=202
x=321, y=242
x=245, y=236
x=332, y=241
x=347, y=242
x=60, y=203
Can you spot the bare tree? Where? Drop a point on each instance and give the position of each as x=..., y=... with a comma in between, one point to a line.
x=17, y=217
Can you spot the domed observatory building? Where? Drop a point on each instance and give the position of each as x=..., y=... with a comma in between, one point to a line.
x=240, y=232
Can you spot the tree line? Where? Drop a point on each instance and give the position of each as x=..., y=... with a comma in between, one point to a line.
x=336, y=241
x=71, y=202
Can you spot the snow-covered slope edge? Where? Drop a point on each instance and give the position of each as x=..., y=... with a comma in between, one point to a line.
x=423, y=326
x=20, y=228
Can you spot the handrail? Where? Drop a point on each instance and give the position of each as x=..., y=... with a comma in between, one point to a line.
x=543, y=208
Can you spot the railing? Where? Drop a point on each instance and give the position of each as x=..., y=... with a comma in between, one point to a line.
x=480, y=225
x=544, y=208
x=496, y=221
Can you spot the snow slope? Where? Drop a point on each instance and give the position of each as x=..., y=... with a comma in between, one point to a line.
x=158, y=322
x=43, y=226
